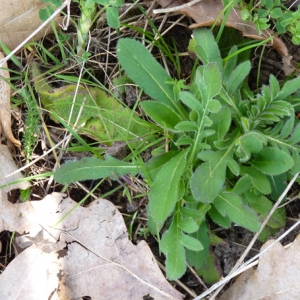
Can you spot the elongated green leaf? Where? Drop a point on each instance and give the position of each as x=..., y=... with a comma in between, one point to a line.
x=164, y=191
x=221, y=123
x=230, y=64
x=153, y=165
x=210, y=271
x=197, y=258
x=195, y=214
x=238, y=76
x=206, y=47
x=93, y=168
x=274, y=85
x=209, y=81
x=272, y=161
x=259, y=180
x=112, y=16
x=191, y=101
x=144, y=70
x=219, y=219
x=174, y=251
x=212, y=81
x=188, y=225
x=242, y=185
x=190, y=242
x=231, y=205
x=187, y=126
x=295, y=137
x=289, y=88
x=162, y=114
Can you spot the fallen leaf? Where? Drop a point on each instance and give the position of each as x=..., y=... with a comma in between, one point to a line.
x=10, y=214
x=19, y=19
x=276, y=277
x=99, y=260
x=5, y=115
x=206, y=12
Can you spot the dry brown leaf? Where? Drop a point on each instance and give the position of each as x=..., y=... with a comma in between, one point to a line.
x=12, y=217
x=276, y=277
x=5, y=115
x=18, y=19
x=100, y=261
x=206, y=12
x=31, y=275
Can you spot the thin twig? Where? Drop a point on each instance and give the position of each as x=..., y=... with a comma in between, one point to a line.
x=172, y=9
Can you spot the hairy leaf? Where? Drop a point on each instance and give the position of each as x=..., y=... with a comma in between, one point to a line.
x=231, y=205
x=272, y=161
x=259, y=180
x=238, y=76
x=162, y=114
x=164, y=191
x=144, y=70
x=174, y=251
x=93, y=168
x=207, y=49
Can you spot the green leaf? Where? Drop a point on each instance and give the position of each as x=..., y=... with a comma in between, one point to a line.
x=274, y=85
x=99, y=115
x=187, y=126
x=154, y=164
x=190, y=242
x=162, y=114
x=230, y=64
x=231, y=205
x=233, y=166
x=295, y=137
x=214, y=106
x=112, y=16
x=190, y=101
x=289, y=88
x=238, y=76
x=164, y=191
x=144, y=70
x=188, y=225
x=174, y=251
x=207, y=49
x=209, y=81
x=272, y=161
x=197, y=258
x=278, y=185
x=242, y=185
x=259, y=180
x=210, y=270
x=93, y=168
x=45, y=13
x=223, y=221
x=221, y=124
x=207, y=181
x=192, y=213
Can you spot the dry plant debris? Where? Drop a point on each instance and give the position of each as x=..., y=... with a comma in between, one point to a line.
x=19, y=19
x=276, y=277
x=5, y=115
x=87, y=254
x=210, y=12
